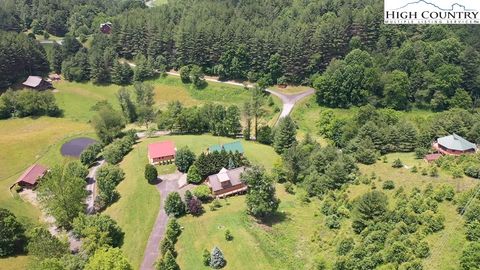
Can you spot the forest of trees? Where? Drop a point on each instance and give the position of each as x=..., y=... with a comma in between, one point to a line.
x=342, y=48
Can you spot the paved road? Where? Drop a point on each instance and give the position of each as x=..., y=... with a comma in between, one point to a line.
x=91, y=184
x=169, y=183
x=288, y=101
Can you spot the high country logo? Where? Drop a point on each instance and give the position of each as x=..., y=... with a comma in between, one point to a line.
x=427, y=12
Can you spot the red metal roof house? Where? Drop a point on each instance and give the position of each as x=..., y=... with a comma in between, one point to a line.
x=30, y=178
x=161, y=152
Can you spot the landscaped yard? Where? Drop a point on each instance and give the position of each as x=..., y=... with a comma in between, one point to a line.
x=139, y=203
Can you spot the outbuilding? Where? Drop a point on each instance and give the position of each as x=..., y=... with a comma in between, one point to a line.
x=30, y=178
x=106, y=28
x=37, y=83
x=161, y=152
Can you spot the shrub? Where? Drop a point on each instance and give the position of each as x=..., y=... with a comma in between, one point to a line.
x=194, y=206
x=203, y=193
x=422, y=250
x=193, y=175
x=473, y=171
x=174, y=205
x=167, y=245
x=473, y=231
x=108, y=177
x=345, y=246
x=424, y=171
x=397, y=163
x=420, y=153
x=414, y=169
x=470, y=258
x=151, y=173
x=228, y=235
x=332, y=222
x=217, y=260
x=389, y=184
x=289, y=188
x=433, y=171
x=173, y=230
x=216, y=203
x=206, y=257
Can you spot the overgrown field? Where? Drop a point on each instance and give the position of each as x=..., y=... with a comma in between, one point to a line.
x=298, y=234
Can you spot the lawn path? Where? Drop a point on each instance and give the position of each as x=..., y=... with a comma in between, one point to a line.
x=168, y=183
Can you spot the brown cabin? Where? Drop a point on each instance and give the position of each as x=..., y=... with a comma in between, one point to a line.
x=227, y=182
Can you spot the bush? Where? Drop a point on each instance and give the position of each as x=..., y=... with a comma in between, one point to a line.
x=193, y=176
x=228, y=235
x=422, y=250
x=397, y=163
x=433, y=171
x=414, y=169
x=151, y=173
x=470, y=258
x=108, y=177
x=424, y=172
x=194, y=206
x=217, y=260
x=173, y=230
x=206, y=257
x=345, y=246
x=473, y=231
x=473, y=171
x=114, y=152
x=216, y=203
x=289, y=188
x=332, y=222
x=203, y=193
x=174, y=205
x=420, y=153
x=167, y=245
x=389, y=184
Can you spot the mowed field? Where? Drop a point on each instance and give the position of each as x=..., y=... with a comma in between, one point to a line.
x=138, y=206
x=76, y=99
x=24, y=142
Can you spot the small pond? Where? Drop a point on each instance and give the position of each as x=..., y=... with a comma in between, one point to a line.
x=75, y=147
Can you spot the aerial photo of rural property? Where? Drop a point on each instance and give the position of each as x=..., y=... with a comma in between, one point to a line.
x=239, y=134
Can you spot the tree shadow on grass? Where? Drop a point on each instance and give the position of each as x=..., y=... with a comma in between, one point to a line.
x=273, y=219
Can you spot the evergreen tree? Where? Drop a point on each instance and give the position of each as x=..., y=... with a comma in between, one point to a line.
x=127, y=105
x=151, y=173
x=122, y=74
x=184, y=158
x=217, y=261
x=174, y=205
x=12, y=234
x=285, y=134
x=193, y=175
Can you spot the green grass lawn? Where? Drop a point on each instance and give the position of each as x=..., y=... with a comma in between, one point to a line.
x=283, y=244
x=76, y=99
x=24, y=142
x=138, y=206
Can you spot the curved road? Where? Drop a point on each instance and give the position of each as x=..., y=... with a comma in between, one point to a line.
x=288, y=101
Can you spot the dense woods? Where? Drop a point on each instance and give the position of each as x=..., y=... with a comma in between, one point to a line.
x=343, y=49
